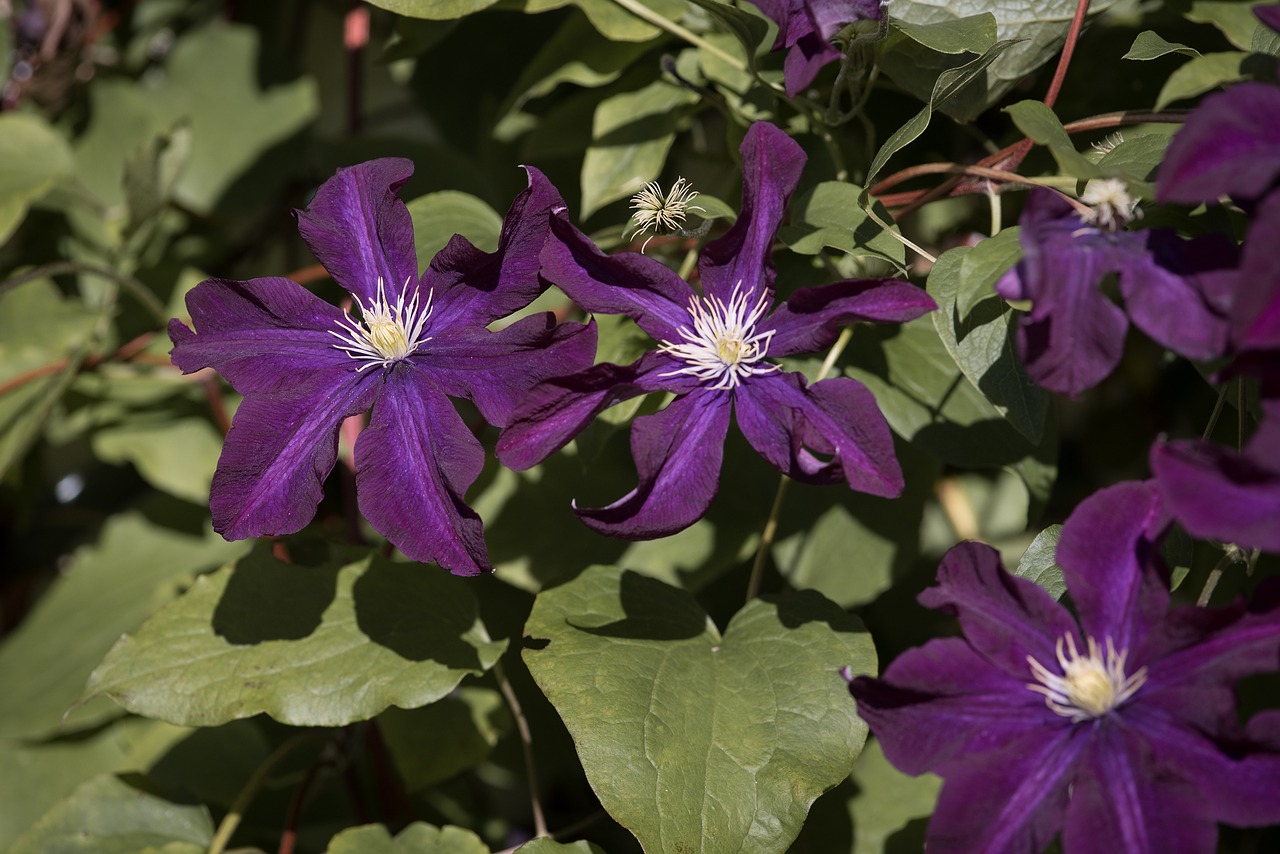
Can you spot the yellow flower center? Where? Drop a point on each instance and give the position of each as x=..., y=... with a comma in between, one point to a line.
x=1088, y=686
x=388, y=333
x=722, y=347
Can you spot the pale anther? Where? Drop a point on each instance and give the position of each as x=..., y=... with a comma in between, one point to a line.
x=385, y=333
x=661, y=213
x=1110, y=206
x=723, y=347
x=1088, y=687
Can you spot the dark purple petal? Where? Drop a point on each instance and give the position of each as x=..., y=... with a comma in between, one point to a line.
x=1255, y=314
x=361, y=231
x=475, y=288
x=413, y=465
x=281, y=447
x=628, y=283
x=943, y=703
x=495, y=370
x=1006, y=618
x=1170, y=293
x=1229, y=145
x=807, y=26
x=824, y=433
x=1269, y=15
x=1124, y=800
x=677, y=453
x=261, y=334
x=1215, y=492
x=805, y=59
x=771, y=166
x=811, y=318
x=1109, y=558
x=559, y=409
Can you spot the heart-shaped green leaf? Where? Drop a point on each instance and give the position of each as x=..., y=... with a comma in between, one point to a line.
x=692, y=740
x=417, y=838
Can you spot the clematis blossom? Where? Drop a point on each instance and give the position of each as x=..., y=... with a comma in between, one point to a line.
x=805, y=29
x=714, y=354
x=1118, y=731
x=304, y=365
x=1175, y=291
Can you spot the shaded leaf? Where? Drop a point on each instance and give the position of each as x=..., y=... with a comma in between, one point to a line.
x=694, y=741
x=437, y=217
x=1039, y=562
x=1201, y=74
x=1234, y=19
x=431, y=744
x=1042, y=125
x=151, y=173
x=175, y=456
x=1148, y=45
x=309, y=645
x=829, y=216
x=544, y=845
x=417, y=838
x=887, y=801
x=435, y=10
x=749, y=29
x=33, y=159
x=612, y=20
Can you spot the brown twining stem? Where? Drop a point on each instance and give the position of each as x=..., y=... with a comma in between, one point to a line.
x=123, y=353
x=235, y=813
x=526, y=743
x=289, y=837
x=395, y=803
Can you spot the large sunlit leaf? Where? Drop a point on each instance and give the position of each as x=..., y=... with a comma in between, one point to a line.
x=106, y=814
x=694, y=740
x=974, y=34
x=108, y=588
x=417, y=838
x=977, y=327
x=318, y=644
x=33, y=158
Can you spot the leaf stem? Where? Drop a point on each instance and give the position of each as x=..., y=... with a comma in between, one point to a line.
x=646, y=14
x=526, y=742
x=132, y=286
x=236, y=813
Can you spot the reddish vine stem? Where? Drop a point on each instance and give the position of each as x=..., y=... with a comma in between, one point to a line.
x=289, y=838
x=122, y=354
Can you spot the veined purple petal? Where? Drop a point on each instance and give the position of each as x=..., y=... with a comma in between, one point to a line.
x=281, y=447
x=771, y=166
x=414, y=463
x=475, y=288
x=823, y=433
x=1109, y=553
x=1115, y=807
x=1255, y=315
x=559, y=409
x=1229, y=145
x=262, y=335
x=360, y=230
x=1218, y=493
x=628, y=283
x=811, y=318
x=1269, y=15
x=495, y=370
x=806, y=58
x=677, y=453
x=1006, y=618
x=1169, y=292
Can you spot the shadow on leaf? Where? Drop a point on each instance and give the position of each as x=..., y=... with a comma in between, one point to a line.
x=418, y=612
x=267, y=600
x=655, y=611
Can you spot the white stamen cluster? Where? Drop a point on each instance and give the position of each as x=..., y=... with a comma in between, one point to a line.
x=386, y=333
x=659, y=213
x=1112, y=208
x=1088, y=687
x=723, y=347
x=1108, y=143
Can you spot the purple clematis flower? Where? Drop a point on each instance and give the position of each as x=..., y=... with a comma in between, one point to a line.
x=713, y=355
x=1174, y=290
x=304, y=365
x=1119, y=731
x=806, y=27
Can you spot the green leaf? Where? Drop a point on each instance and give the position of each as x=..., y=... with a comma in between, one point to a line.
x=107, y=815
x=1037, y=29
x=291, y=641
x=437, y=217
x=887, y=801
x=1234, y=19
x=108, y=588
x=947, y=85
x=829, y=215
x=1201, y=74
x=974, y=34
x=151, y=173
x=631, y=134
x=434, y=10
x=1148, y=45
x=545, y=845
x=749, y=29
x=1137, y=160
x=33, y=159
x=1041, y=124
x=695, y=741
x=1266, y=41
x=417, y=838
x=1039, y=562
x=175, y=456
x=431, y=744
x=38, y=329
x=977, y=327
x=612, y=20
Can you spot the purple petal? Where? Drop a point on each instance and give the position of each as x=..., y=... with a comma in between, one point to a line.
x=1255, y=315
x=1220, y=494
x=1121, y=801
x=281, y=447
x=811, y=318
x=413, y=465
x=822, y=433
x=559, y=409
x=474, y=288
x=361, y=231
x=805, y=59
x=495, y=370
x=771, y=166
x=1109, y=556
x=1269, y=15
x=1169, y=293
x=260, y=334
x=628, y=283
x=1006, y=618
x=677, y=453
x=1230, y=145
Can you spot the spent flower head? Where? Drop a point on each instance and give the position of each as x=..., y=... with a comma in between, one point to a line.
x=662, y=213
x=1111, y=207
